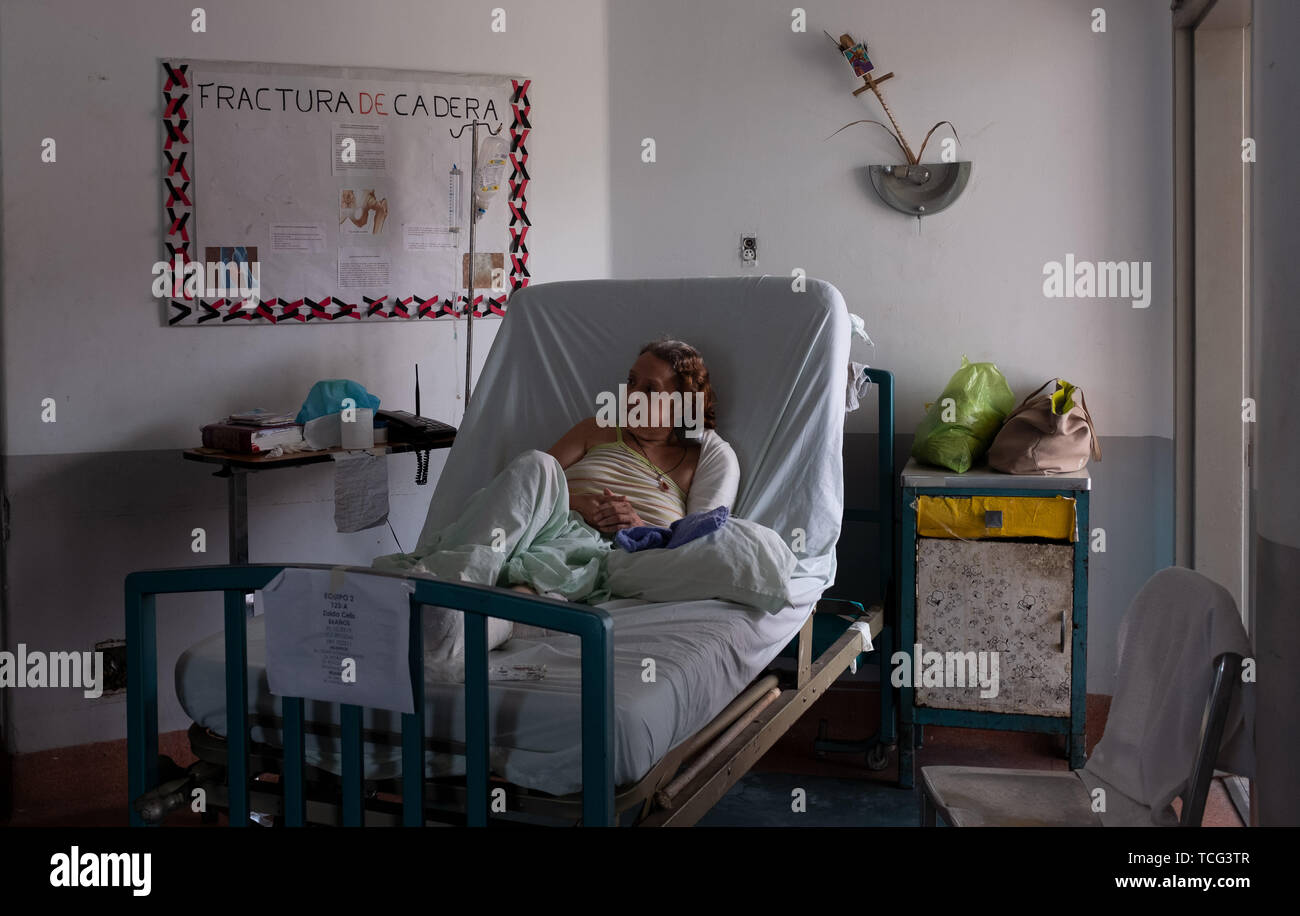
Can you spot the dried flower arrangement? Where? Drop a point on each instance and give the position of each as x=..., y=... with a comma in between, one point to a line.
x=855, y=52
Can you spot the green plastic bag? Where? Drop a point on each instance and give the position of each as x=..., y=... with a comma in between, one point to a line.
x=959, y=427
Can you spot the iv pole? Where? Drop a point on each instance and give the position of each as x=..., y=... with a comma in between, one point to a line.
x=473, y=218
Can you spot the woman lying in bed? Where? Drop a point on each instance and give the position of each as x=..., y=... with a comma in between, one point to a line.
x=656, y=473
x=547, y=515
x=545, y=523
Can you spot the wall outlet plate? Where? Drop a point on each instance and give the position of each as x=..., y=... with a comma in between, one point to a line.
x=748, y=250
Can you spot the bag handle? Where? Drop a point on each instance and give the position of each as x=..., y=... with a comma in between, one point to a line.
x=1096, y=444
x=1036, y=393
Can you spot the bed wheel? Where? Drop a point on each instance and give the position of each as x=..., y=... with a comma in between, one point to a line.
x=878, y=757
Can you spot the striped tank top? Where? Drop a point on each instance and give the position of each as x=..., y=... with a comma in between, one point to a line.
x=628, y=473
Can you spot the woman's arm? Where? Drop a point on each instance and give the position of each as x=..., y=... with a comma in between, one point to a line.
x=569, y=450
x=717, y=477
x=573, y=444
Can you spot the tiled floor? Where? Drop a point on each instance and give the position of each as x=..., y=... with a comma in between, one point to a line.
x=86, y=786
x=83, y=786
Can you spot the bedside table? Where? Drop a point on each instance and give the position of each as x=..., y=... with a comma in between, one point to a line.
x=993, y=605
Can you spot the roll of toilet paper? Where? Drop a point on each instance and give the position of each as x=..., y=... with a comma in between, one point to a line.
x=360, y=433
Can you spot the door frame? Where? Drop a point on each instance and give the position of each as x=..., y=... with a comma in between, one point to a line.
x=1213, y=445
x=1212, y=339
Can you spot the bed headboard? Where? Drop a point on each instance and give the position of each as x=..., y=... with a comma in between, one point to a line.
x=777, y=359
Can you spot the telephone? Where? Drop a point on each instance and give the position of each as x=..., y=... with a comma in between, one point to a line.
x=421, y=432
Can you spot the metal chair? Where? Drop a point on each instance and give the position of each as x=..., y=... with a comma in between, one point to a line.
x=989, y=797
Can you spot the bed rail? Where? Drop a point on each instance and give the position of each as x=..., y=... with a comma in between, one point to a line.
x=883, y=515
x=593, y=626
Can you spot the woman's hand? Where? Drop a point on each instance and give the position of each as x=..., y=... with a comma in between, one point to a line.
x=607, y=513
x=585, y=504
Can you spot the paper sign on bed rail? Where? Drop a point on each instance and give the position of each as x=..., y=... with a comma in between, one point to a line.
x=340, y=637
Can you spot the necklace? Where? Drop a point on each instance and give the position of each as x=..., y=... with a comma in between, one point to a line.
x=663, y=484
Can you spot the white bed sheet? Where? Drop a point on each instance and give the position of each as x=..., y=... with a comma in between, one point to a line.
x=776, y=357
x=705, y=653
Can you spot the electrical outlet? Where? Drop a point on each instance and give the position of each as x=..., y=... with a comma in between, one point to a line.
x=748, y=250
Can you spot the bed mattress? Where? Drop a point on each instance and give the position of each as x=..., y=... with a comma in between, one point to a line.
x=705, y=653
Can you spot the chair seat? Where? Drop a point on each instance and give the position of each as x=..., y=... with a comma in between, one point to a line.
x=989, y=797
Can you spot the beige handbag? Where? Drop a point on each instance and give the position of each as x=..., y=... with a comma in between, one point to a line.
x=1046, y=434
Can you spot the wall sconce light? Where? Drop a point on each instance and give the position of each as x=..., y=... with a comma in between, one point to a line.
x=920, y=190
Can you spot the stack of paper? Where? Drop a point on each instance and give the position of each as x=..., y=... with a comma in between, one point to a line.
x=259, y=416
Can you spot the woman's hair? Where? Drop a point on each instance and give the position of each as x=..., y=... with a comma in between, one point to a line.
x=692, y=374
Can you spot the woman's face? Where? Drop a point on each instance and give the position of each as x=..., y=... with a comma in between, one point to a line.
x=349, y=199
x=650, y=374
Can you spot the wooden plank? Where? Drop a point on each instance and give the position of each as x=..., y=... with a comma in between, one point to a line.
x=805, y=651
x=668, y=796
x=257, y=461
x=758, y=737
x=734, y=710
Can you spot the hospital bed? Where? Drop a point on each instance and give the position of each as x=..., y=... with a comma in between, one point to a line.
x=593, y=742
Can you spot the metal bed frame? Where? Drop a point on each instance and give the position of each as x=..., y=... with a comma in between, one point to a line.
x=243, y=777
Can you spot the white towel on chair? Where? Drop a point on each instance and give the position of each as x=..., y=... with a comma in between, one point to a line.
x=1177, y=625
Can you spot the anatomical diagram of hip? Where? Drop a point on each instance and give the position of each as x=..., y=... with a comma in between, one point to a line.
x=366, y=219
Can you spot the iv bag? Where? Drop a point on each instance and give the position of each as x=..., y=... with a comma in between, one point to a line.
x=492, y=160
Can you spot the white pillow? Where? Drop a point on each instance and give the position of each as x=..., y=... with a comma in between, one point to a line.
x=742, y=561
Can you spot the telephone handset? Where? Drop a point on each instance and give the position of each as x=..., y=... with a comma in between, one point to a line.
x=421, y=432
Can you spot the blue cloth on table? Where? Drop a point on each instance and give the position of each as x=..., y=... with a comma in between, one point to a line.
x=326, y=397
x=682, y=531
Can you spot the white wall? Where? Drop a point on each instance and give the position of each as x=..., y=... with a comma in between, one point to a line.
x=1069, y=132
x=104, y=490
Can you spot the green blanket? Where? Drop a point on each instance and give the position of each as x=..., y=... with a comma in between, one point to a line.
x=518, y=530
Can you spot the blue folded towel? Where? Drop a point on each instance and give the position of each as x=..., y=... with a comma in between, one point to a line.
x=642, y=538
x=682, y=531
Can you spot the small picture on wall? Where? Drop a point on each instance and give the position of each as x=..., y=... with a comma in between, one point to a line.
x=857, y=56
x=489, y=270
x=362, y=212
